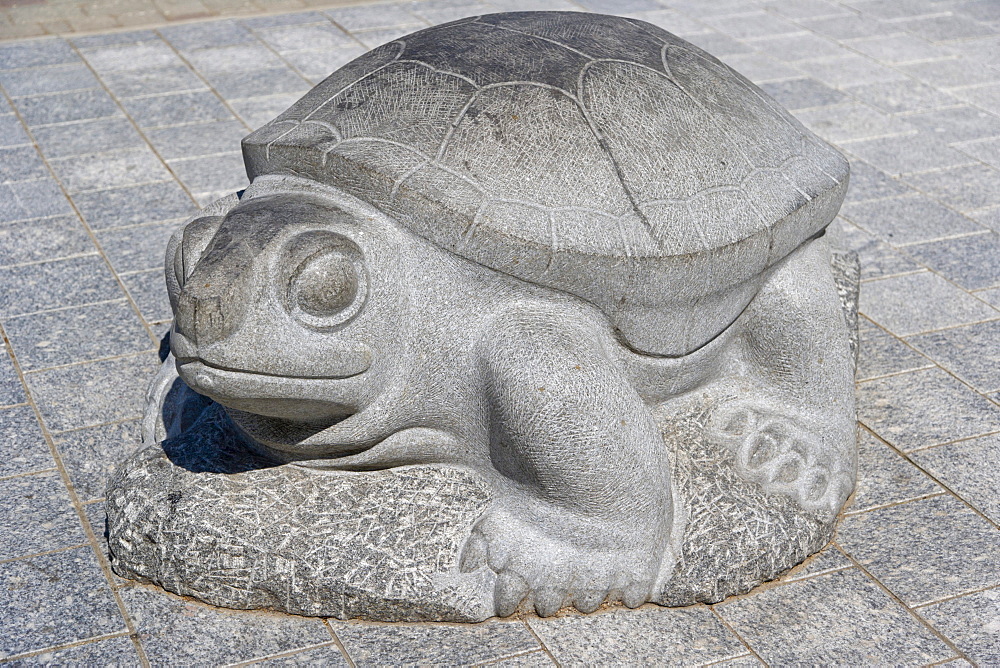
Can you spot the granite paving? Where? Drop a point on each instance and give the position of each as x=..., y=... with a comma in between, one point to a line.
x=111, y=135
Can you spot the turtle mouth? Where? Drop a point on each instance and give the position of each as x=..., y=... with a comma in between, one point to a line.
x=279, y=397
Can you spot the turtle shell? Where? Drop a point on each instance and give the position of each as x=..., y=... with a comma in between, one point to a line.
x=597, y=155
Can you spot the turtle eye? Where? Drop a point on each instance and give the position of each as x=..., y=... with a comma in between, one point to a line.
x=326, y=281
x=325, y=284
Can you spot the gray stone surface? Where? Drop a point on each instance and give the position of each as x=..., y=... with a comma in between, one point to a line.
x=541, y=462
x=54, y=599
x=885, y=477
x=433, y=644
x=176, y=631
x=968, y=468
x=876, y=631
x=971, y=622
x=37, y=516
x=22, y=446
x=742, y=20
x=646, y=636
x=938, y=561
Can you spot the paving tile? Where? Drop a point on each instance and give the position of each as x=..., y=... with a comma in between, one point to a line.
x=987, y=97
x=908, y=219
x=293, y=18
x=882, y=354
x=903, y=95
x=867, y=182
x=898, y=49
x=980, y=10
x=957, y=124
x=37, y=516
x=236, y=58
x=972, y=353
x=987, y=150
x=326, y=655
x=371, y=17
x=297, y=38
x=48, y=285
x=670, y=20
x=885, y=477
x=849, y=69
x=968, y=468
x=851, y=121
x=435, y=12
x=11, y=131
x=795, y=94
x=22, y=446
x=647, y=635
x=106, y=134
x=142, y=56
x=100, y=171
x=751, y=25
x=137, y=248
x=212, y=173
x=208, y=33
x=200, y=139
x=35, y=53
x=32, y=199
x=990, y=296
x=923, y=408
x=908, y=153
x=971, y=623
x=841, y=618
x=429, y=644
x=11, y=391
x=267, y=81
x=965, y=188
x=21, y=163
x=805, y=9
x=925, y=550
x=373, y=38
x=878, y=259
x=91, y=455
x=116, y=651
x=719, y=45
x=175, y=631
x=91, y=42
x=42, y=80
x=153, y=81
x=798, y=46
x=890, y=302
x=55, y=599
x=133, y=205
x=892, y=10
x=827, y=560
x=952, y=72
x=847, y=26
x=77, y=334
x=93, y=393
x=944, y=28
x=315, y=65
x=149, y=292
x=43, y=239
x=972, y=262
x=176, y=109
x=65, y=107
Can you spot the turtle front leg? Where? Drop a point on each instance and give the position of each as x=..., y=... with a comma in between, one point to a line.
x=585, y=511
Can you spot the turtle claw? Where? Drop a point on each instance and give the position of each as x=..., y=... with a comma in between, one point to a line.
x=782, y=454
x=536, y=567
x=510, y=590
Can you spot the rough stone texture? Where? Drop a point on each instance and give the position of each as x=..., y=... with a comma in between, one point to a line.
x=476, y=340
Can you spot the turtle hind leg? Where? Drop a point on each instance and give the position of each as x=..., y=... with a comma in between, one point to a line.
x=588, y=513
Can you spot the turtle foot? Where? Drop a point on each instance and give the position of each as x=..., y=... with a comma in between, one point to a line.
x=523, y=542
x=784, y=455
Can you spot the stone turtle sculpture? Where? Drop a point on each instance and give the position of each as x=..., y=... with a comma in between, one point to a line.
x=569, y=255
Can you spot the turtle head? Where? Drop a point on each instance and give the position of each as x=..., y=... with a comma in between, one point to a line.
x=286, y=306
